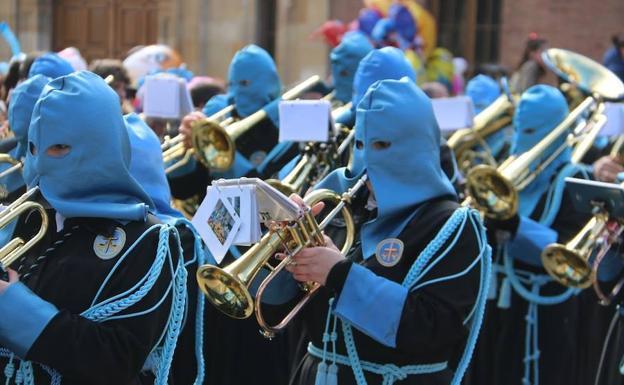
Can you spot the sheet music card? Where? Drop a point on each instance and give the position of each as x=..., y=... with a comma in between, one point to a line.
x=217, y=222
x=166, y=96
x=453, y=113
x=233, y=210
x=304, y=120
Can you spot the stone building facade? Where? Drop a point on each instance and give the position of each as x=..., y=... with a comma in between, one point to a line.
x=208, y=32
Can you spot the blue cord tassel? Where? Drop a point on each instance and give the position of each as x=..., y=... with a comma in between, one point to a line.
x=332, y=375
x=493, y=286
x=504, y=297
x=321, y=374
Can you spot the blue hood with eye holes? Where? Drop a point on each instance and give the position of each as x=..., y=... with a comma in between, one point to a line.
x=344, y=62
x=93, y=178
x=407, y=172
x=253, y=80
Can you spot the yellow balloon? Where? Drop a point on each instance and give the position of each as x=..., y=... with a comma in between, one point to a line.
x=427, y=28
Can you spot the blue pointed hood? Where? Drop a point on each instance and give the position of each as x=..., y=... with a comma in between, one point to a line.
x=147, y=168
x=483, y=90
x=344, y=63
x=50, y=65
x=23, y=99
x=93, y=179
x=414, y=144
x=379, y=64
x=253, y=80
x=540, y=110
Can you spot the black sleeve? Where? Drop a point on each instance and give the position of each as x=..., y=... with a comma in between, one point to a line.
x=433, y=316
x=111, y=352
x=338, y=275
x=191, y=184
x=447, y=161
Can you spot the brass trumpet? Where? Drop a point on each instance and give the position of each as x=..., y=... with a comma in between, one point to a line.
x=16, y=165
x=491, y=120
x=494, y=191
x=16, y=247
x=173, y=148
x=569, y=264
x=228, y=288
x=214, y=144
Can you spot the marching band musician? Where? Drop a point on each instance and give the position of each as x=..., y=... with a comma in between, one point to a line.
x=253, y=84
x=344, y=62
x=146, y=167
x=483, y=90
x=389, y=63
x=102, y=295
x=23, y=99
x=407, y=304
x=531, y=332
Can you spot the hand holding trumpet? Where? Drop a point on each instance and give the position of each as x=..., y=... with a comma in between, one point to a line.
x=313, y=263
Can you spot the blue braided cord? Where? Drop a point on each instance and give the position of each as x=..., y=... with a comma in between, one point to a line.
x=326, y=332
x=175, y=325
x=434, y=245
x=477, y=321
x=55, y=377
x=334, y=337
x=389, y=372
x=200, y=258
x=119, y=262
x=555, y=193
x=535, y=279
x=450, y=246
x=157, y=349
x=107, y=308
x=484, y=256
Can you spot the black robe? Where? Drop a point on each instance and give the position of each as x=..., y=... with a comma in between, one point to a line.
x=431, y=326
x=262, y=137
x=500, y=351
x=86, y=352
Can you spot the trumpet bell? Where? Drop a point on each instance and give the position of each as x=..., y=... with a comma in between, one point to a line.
x=491, y=192
x=225, y=291
x=214, y=147
x=567, y=266
x=588, y=75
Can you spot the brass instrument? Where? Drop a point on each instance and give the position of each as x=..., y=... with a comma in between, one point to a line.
x=214, y=144
x=317, y=160
x=494, y=191
x=569, y=264
x=16, y=165
x=228, y=288
x=173, y=148
x=16, y=247
x=491, y=120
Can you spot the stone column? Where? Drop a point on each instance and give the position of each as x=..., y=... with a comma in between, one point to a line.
x=297, y=55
